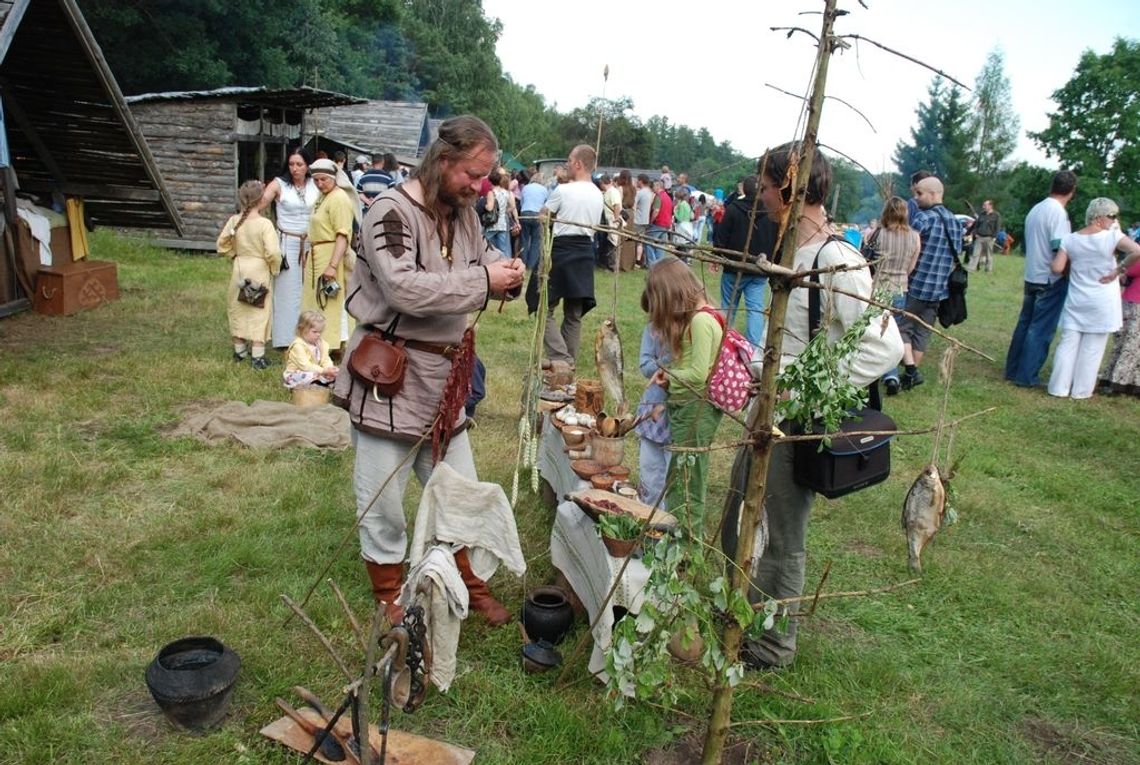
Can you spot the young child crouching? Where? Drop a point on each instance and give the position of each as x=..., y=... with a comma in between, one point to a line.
x=307, y=361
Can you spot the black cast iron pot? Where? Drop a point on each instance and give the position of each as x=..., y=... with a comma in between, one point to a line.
x=192, y=679
x=547, y=614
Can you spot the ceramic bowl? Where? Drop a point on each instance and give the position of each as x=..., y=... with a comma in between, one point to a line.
x=540, y=656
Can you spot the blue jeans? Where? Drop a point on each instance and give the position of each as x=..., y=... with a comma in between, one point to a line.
x=530, y=241
x=755, y=291
x=500, y=240
x=659, y=234
x=1029, y=346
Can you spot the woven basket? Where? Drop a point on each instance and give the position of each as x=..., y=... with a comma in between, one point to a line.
x=311, y=395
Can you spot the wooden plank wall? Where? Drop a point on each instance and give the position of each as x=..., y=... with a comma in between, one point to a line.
x=378, y=126
x=195, y=146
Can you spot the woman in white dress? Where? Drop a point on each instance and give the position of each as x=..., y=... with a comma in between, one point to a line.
x=295, y=195
x=1092, y=308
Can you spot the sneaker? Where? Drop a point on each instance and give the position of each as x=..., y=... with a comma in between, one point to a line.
x=909, y=380
x=261, y=363
x=892, y=386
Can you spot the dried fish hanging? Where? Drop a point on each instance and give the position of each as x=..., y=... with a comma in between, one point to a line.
x=527, y=456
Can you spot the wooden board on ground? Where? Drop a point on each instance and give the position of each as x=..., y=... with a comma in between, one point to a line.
x=403, y=748
x=595, y=501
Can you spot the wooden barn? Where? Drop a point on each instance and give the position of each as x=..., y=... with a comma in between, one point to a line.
x=400, y=127
x=66, y=133
x=208, y=143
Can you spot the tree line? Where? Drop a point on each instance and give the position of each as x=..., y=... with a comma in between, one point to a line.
x=967, y=139
x=442, y=52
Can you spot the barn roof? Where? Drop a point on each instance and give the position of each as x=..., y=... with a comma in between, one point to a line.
x=281, y=98
x=69, y=129
x=396, y=126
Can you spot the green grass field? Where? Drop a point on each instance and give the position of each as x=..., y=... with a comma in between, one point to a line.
x=1019, y=646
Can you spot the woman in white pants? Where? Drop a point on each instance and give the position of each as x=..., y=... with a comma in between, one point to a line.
x=1092, y=308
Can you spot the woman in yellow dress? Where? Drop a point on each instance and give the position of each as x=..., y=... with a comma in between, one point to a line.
x=251, y=241
x=325, y=274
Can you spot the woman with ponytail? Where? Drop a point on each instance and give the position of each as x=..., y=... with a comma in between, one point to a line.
x=251, y=242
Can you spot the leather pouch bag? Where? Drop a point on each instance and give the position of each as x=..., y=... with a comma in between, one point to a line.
x=380, y=360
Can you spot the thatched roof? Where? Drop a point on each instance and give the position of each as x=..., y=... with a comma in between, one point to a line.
x=69, y=129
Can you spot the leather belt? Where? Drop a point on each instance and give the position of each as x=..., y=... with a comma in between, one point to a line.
x=447, y=351
x=439, y=349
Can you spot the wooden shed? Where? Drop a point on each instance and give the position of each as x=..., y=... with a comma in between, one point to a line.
x=400, y=127
x=69, y=133
x=209, y=142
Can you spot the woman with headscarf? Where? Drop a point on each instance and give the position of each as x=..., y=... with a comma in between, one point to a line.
x=296, y=195
x=324, y=273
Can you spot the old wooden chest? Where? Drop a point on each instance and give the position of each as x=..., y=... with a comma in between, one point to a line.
x=65, y=289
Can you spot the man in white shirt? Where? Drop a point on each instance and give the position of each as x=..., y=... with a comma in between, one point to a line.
x=1044, y=297
x=577, y=207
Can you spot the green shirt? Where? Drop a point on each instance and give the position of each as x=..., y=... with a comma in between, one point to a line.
x=683, y=213
x=699, y=349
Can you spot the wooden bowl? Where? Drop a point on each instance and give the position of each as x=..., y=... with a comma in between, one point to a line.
x=604, y=481
x=587, y=468
x=575, y=436
x=619, y=472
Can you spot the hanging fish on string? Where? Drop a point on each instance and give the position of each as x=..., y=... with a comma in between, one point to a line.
x=611, y=365
x=923, y=512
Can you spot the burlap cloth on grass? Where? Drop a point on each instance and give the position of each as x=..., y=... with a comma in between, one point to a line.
x=269, y=425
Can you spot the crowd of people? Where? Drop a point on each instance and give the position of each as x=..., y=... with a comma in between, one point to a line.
x=416, y=256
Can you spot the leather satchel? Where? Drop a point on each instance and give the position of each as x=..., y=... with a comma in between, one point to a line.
x=380, y=360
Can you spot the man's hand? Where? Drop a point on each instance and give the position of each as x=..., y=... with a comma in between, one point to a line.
x=505, y=275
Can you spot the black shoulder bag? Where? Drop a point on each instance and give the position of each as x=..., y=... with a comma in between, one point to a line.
x=851, y=462
x=952, y=308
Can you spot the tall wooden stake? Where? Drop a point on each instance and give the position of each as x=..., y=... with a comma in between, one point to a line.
x=761, y=416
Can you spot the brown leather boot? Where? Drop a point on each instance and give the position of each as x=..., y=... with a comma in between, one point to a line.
x=479, y=595
x=387, y=581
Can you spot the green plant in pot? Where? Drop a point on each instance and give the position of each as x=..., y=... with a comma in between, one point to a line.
x=620, y=533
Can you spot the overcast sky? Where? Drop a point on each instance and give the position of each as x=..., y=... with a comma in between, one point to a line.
x=705, y=64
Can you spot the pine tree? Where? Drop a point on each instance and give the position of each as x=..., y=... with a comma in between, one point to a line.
x=994, y=121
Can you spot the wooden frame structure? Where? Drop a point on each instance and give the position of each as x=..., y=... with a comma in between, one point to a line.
x=69, y=130
x=210, y=141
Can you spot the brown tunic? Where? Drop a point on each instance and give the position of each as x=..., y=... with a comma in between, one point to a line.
x=402, y=271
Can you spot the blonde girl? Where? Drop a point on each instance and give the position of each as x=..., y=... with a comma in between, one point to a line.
x=307, y=361
x=251, y=242
x=690, y=332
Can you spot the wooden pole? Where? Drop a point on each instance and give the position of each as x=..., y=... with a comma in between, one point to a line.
x=762, y=414
x=601, y=114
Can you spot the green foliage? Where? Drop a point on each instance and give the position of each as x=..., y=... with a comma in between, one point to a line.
x=822, y=392
x=618, y=526
x=1095, y=130
x=994, y=123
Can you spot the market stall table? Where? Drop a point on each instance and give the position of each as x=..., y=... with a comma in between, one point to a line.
x=577, y=551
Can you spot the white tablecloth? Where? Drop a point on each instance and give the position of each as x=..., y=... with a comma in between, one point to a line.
x=578, y=552
x=554, y=464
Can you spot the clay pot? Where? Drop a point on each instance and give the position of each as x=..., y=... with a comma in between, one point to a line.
x=547, y=614
x=603, y=481
x=619, y=472
x=607, y=451
x=192, y=679
x=686, y=644
x=540, y=656
x=574, y=436
x=619, y=548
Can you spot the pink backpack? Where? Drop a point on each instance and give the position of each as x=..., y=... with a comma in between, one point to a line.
x=730, y=381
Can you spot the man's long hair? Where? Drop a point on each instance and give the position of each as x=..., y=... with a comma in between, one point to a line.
x=457, y=137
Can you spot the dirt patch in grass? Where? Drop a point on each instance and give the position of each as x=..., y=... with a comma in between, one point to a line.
x=687, y=750
x=1070, y=744
x=864, y=549
x=139, y=716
